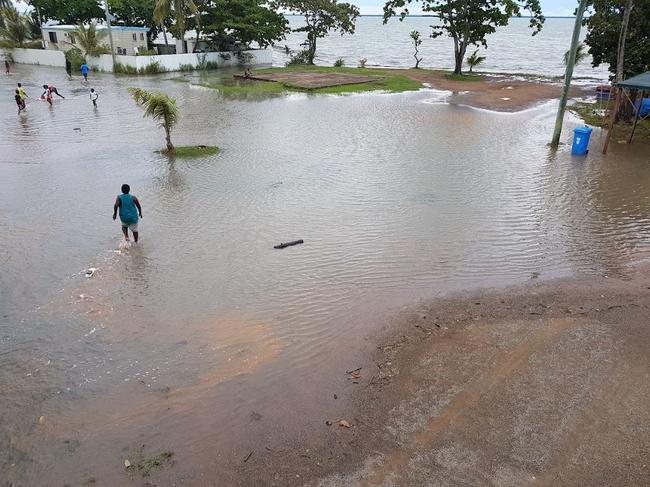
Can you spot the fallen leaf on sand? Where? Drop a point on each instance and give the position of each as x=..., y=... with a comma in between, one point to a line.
x=344, y=423
x=127, y=464
x=41, y=420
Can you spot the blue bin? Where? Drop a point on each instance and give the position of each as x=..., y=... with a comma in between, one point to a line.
x=581, y=137
x=644, y=106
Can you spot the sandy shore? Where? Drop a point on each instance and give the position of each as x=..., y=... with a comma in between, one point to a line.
x=542, y=384
x=506, y=93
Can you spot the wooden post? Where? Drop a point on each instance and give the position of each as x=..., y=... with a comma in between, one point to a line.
x=569, y=73
x=636, y=118
x=612, y=118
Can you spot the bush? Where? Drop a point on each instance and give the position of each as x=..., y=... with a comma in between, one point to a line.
x=76, y=58
x=245, y=58
x=339, y=63
x=301, y=57
x=225, y=56
x=186, y=67
x=362, y=62
x=147, y=52
x=152, y=68
x=124, y=69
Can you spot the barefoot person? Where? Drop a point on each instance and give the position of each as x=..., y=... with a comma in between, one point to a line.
x=7, y=67
x=49, y=90
x=19, y=101
x=21, y=92
x=93, y=96
x=129, y=208
x=84, y=71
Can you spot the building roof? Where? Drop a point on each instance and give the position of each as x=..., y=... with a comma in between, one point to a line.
x=638, y=82
x=99, y=27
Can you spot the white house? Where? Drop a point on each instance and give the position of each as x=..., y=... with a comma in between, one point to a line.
x=127, y=40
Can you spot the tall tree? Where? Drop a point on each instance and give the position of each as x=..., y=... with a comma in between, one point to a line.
x=138, y=13
x=321, y=17
x=161, y=108
x=468, y=22
x=179, y=9
x=604, y=24
x=14, y=31
x=69, y=11
x=245, y=21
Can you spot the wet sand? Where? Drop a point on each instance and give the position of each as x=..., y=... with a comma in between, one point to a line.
x=541, y=384
x=505, y=93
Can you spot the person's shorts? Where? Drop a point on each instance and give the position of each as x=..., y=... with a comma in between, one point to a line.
x=131, y=226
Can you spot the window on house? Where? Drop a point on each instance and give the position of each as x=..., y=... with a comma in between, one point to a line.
x=141, y=36
x=135, y=37
x=53, y=37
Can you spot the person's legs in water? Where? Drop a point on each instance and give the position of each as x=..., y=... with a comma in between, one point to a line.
x=135, y=237
x=125, y=231
x=57, y=92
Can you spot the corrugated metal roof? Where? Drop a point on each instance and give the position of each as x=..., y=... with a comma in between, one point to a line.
x=638, y=82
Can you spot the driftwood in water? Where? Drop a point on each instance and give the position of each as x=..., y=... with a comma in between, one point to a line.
x=288, y=244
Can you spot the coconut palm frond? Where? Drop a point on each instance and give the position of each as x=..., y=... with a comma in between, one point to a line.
x=90, y=39
x=581, y=54
x=14, y=30
x=162, y=109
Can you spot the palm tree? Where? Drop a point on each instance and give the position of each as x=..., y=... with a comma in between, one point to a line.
x=581, y=54
x=14, y=29
x=164, y=8
x=161, y=108
x=474, y=60
x=90, y=39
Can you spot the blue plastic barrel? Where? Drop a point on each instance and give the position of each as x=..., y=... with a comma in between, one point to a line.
x=581, y=137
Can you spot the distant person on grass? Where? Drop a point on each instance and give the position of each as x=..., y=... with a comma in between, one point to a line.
x=84, y=71
x=129, y=208
x=93, y=96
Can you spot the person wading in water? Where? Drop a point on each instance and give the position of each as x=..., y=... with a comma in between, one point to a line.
x=129, y=208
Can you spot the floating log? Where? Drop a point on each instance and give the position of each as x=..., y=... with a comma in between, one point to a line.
x=288, y=244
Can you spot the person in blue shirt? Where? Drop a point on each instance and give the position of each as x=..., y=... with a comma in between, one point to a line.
x=129, y=208
x=84, y=71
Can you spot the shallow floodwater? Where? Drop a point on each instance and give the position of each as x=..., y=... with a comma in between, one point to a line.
x=206, y=341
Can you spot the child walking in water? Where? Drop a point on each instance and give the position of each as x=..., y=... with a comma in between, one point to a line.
x=19, y=101
x=93, y=96
x=49, y=89
x=21, y=92
x=7, y=67
x=129, y=208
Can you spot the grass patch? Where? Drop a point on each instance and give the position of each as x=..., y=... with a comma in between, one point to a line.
x=147, y=464
x=594, y=114
x=191, y=151
x=463, y=77
x=393, y=82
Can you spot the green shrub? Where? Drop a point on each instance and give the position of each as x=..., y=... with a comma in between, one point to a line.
x=245, y=58
x=211, y=65
x=225, y=56
x=339, y=63
x=76, y=58
x=124, y=69
x=147, y=52
x=186, y=67
x=152, y=68
x=301, y=57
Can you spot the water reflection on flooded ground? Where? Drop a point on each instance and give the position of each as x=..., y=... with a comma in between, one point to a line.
x=206, y=341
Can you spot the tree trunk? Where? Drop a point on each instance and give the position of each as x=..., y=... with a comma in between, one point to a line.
x=620, y=56
x=459, y=53
x=168, y=139
x=311, y=48
x=164, y=31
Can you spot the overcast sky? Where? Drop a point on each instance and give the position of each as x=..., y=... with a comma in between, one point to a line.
x=551, y=8
x=372, y=7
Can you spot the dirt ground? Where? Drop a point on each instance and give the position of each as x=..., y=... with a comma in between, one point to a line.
x=311, y=80
x=503, y=94
x=542, y=384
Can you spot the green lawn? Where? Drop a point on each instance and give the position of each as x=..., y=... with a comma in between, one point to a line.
x=191, y=151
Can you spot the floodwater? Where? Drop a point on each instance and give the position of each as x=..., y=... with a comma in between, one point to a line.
x=511, y=49
x=206, y=341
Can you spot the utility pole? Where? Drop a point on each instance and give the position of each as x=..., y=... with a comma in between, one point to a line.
x=110, y=33
x=569, y=72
